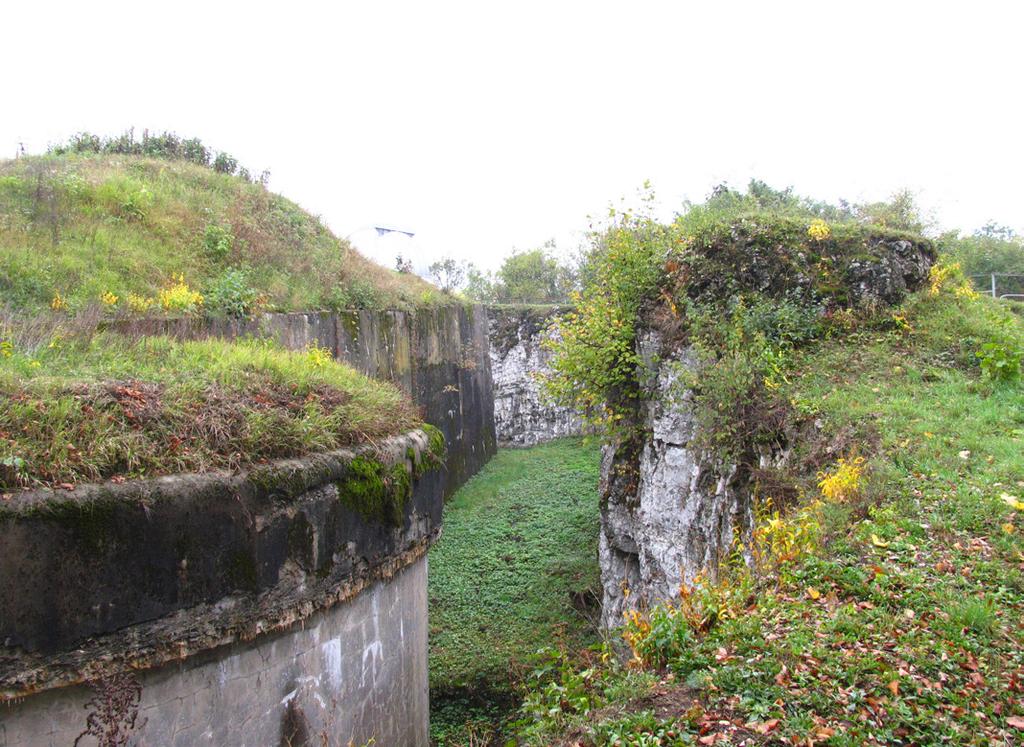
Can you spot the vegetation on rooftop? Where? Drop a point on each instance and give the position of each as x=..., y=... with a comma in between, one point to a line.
x=98, y=406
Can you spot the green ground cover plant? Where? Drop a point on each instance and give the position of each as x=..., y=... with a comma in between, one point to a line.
x=885, y=602
x=100, y=406
x=515, y=571
x=137, y=234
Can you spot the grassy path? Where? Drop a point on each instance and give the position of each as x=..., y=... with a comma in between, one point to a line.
x=515, y=570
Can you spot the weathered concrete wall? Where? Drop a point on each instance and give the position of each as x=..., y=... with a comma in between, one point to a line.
x=439, y=355
x=521, y=415
x=352, y=673
x=226, y=593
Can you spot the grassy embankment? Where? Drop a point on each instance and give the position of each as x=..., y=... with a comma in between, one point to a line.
x=890, y=606
x=515, y=571
x=86, y=238
x=120, y=232
x=107, y=407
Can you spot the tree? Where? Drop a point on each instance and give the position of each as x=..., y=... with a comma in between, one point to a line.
x=533, y=276
x=990, y=249
x=448, y=274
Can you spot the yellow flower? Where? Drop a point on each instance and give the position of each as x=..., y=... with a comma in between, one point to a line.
x=139, y=304
x=319, y=357
x=108, y=299
x=842, y=482
x=179, y=297
x=58, y=303
x=819, y=230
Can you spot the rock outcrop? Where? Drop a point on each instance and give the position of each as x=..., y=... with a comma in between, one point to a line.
x=518, y=358
x=682, y=508
x=669, y=508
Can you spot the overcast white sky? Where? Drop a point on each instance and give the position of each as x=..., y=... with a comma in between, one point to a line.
x=484, y=127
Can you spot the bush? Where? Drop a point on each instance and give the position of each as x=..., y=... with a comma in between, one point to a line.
x=232, y=295
x=595, y=359
x=999, y=361
x=218, y=241
x=225, y=164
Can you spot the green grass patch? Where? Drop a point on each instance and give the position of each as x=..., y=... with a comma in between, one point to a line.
x=105, y=406
x=515, y=571
x=125, y=233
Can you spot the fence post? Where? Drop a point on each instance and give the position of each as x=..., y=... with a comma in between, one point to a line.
x=994, y=286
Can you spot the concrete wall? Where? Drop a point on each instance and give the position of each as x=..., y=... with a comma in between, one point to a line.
x=522, y=417
x=237, y=599
x=352, y=673
x=439, y=355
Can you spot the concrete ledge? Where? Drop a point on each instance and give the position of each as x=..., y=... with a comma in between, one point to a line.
x=107, y=577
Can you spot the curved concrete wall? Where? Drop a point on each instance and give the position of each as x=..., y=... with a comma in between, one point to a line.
x=250, y=605
x=439, y=355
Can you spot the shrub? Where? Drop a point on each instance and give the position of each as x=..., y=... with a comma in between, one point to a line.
x=139, y=304
x=595, y=359
x=843, y=482
x=224, y=163
x=232, y=295
x=217, y=241
x=1000, y=361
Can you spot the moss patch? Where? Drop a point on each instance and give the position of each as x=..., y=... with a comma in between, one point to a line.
x=379, y=493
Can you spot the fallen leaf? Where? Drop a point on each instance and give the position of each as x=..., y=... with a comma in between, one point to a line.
x=767, y=726
x=878, y=541
x=894, y=688
x=813, y=593
x=1012, y=502
x=1009, y=528
x=1017, y=722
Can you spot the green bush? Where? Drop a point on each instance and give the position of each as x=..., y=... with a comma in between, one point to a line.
x=595, y=361
x=232, y=295
x=1000, y=361
x=217, y=241
x=225, y=163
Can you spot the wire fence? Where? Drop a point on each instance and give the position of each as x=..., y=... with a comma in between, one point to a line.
x=998, y=285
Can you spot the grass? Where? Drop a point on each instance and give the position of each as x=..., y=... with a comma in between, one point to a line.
x=114, y=231
x=903, y=623
x=102, y=406
x=515, y=571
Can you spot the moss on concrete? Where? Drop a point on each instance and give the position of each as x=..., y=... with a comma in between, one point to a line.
x=379, y=493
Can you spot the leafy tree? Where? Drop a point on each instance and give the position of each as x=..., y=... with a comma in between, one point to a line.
x=533, y=276
x=992, y=249
x=479, y=285
x=448, y=274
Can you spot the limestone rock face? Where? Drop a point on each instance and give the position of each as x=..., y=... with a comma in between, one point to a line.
x=668, y=510
x=888, y=279
x=518, y=358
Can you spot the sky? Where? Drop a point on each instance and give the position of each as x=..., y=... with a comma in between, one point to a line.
x=484, y=127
